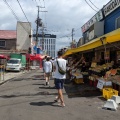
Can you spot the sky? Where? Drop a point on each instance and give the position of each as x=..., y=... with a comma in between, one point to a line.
x=58, y=16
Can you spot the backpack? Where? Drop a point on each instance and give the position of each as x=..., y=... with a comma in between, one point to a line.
x=60, y=70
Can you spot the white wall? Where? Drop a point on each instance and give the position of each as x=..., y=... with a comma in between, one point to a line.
x=23, y=32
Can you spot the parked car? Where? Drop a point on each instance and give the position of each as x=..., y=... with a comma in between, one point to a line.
x=17, y=62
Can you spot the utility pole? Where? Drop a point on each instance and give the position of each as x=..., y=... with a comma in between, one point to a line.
x=42, y=37
x=37, y=22
x=72, y=38
x=72, y=33
x=43, y=33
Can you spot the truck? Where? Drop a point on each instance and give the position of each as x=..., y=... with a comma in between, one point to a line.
x=17, y=62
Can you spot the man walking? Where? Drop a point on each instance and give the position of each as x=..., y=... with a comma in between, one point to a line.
x=43, y=65
x=60, y=78
x=47, y=70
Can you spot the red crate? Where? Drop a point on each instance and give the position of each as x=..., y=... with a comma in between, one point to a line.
x=91, y=82
x=95, y=83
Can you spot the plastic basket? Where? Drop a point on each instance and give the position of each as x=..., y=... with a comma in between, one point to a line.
x=109, y=92
x=78, y=81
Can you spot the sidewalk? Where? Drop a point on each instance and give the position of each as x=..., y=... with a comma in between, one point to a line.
x=6, y=76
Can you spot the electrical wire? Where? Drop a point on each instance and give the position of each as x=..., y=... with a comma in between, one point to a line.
x=45, y=13
x=11, y=9
x=80, y=27
x=23, y=12
x=36, y=2
x=94, y=4
x=14, y=14
x=44, y=2
x=40, y=2
x=91, y=6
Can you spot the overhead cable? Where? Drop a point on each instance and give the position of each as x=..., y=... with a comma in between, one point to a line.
x=94, y=4
x=14, y=14
x=35, y=1
x=91, y=6
x=23, y=12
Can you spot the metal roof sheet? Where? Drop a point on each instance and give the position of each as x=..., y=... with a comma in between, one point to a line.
x=8, y=34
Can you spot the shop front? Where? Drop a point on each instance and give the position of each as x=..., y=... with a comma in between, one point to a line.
x=103, y=55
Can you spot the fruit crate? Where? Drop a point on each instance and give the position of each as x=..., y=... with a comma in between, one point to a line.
x=78, y=81
x=109, y=92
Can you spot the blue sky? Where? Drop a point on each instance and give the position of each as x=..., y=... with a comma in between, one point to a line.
x=60, y=18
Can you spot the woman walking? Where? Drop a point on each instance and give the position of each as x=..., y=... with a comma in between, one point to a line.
x=47, y=70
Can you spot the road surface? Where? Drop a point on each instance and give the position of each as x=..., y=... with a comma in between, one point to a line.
x=26, y=98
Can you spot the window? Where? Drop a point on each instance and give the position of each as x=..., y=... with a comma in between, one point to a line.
x=2, y=43
x=118, y=23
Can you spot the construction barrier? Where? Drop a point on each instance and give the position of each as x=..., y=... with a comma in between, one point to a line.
x=2, y=72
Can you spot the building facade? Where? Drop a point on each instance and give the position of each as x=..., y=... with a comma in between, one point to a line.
x=47, y=43
x=112, y=16
x=8, y=40
x=24, y=33
x=104, y=21
x=108, y=22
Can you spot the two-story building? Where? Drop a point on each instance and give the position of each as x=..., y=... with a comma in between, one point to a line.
x=8, y=40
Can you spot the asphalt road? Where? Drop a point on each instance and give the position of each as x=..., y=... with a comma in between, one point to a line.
x=26, y=98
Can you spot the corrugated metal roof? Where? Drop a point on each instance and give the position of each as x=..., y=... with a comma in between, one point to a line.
x=8, y=34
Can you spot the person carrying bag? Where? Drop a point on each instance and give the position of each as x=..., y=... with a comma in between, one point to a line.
x=60, y=76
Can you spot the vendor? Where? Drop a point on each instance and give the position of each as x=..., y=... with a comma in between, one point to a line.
x=83, y=67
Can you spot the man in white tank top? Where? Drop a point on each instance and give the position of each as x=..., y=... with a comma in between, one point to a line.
x=59, y=78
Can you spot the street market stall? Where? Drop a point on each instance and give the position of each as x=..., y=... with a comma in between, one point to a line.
x=104, y=74
x=34, y=59
x=3, y=60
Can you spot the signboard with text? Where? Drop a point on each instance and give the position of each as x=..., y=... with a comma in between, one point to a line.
x=111, y=6
x=97, y=17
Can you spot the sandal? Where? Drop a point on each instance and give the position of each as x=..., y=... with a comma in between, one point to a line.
x=56, y=100
x=61, y=105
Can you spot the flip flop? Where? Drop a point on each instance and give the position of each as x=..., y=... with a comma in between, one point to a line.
x=61, y=105
x=56, y=100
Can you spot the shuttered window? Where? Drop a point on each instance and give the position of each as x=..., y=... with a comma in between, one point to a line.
x=118, y=23
x=2, y=43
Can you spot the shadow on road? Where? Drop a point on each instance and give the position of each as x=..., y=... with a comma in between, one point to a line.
x=37, y=84
x=38, y=77
x=42, y=103
x=44, y=87
x=81, y=90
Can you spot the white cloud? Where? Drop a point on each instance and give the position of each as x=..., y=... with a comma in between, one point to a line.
x=62, y=16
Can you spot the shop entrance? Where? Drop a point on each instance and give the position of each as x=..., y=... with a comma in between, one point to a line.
x=113, y=56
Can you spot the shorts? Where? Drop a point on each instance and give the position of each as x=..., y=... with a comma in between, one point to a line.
x=47, y=74
x=59, y=83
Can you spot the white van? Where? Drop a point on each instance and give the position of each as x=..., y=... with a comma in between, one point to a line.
x=14, y=64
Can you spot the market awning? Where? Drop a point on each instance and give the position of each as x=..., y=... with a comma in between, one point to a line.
x=4, y=57
x=34, y=57
x=103, y=40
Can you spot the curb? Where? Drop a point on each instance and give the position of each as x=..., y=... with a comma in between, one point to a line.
x=14, y=77
x=6, y=81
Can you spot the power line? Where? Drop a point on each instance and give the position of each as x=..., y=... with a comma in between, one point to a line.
x=14, y=14
x=94, y=4
x=40, y=2
x=44, y=2
x=35, y=1
x=65, y=36
x=91, y=6
x=11, y=9
x=23, y=12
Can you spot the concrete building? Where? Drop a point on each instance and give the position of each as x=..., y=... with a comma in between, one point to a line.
x=24, y=38
x=47, y=43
